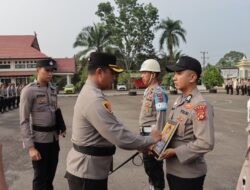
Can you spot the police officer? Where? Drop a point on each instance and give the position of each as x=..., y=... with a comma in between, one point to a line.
x=95, y=129
x=237, y=86
x=38, y=103
x=5, y=100
x=230, y=86
x=153, y=115
x=186, y=167
x=248, y=87
x=227, y=86
x=1, y=98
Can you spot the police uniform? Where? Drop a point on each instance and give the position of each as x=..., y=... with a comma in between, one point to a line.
x=238, y=86
x=37, y=122
x=1, y=98
x=248, y=87
x=230, y=86
x=194, y=136
x=153, y=115
x=95, y=132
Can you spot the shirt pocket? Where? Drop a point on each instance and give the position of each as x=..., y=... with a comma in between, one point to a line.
x=182, y=127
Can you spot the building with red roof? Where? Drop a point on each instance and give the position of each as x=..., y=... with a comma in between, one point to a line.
x=18, y=57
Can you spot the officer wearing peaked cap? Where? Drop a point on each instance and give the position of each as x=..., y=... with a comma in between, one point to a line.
x=96, y=130
x=38, y=104
x=186, y=167
x=153, y=115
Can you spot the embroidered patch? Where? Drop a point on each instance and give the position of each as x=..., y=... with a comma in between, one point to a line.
x=188, y=106
x=107, y=105
x=200, y=112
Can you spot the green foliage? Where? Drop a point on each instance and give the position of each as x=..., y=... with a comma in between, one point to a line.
x=167, y=80
x=92, y=38
x=131, y=27
x=123, y=78
x=212, y=77
x=230, y=59
x=172, y=31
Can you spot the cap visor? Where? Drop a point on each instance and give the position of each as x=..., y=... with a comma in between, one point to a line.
x=116, y=68
x=174, y=68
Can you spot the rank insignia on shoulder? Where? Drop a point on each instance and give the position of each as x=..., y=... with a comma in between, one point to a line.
x=200, y=112
x=107, y=105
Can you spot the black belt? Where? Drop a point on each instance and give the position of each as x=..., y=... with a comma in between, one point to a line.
x=95, y=151
x=43, y=129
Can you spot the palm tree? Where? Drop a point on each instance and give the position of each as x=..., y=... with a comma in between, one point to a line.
x=172, y=31
x=93, y=38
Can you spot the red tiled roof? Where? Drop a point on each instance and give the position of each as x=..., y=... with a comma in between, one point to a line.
x=17, y=73
x=20, y=47
x=65, y=65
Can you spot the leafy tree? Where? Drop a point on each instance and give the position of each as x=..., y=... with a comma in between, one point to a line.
x=212, y=77
x=131, y=25
x=230, y=59
x=92, y=38
x=172, y=31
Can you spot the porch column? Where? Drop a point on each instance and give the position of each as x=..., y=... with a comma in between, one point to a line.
x=68, y=79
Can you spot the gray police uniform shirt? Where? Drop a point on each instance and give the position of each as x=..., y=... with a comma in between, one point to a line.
x=194, y=136
x=154, y=107
x=94, y=124
x=37, y=107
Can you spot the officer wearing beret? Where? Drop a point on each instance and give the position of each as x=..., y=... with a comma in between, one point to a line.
x=38, y=103
x=153, y=115
x=96, y=130
x=186, y=167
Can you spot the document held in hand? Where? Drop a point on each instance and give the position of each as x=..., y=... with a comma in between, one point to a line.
x=167, y=134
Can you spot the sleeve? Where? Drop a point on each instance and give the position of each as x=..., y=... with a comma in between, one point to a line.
x=101, y=117
x=203, y=128
x=26, y=101
x=161, y=101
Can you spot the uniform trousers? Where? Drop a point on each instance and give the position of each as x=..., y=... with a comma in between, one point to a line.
x=45, y=169
x=77, y=183
x=177, y=183
x=154, y=169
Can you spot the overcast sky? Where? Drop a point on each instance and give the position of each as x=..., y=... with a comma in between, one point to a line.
x=214, y=26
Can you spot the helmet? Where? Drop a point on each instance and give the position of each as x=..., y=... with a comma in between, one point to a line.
x=151, y=65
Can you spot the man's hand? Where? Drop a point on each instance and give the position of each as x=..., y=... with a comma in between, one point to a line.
x=34, y=154
x=168, y=153
x=156, y=135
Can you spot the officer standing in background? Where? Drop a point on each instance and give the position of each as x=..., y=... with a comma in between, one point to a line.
x=248, y=87
x=38, y=103
x=1, y=98
x=5, y=100
x=237, y=86
x=227, y=86
x=186, y=167
x=153, y=115
x=95, y=129
x=230, y=86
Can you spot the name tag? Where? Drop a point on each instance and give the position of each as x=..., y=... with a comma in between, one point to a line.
x=161, y=106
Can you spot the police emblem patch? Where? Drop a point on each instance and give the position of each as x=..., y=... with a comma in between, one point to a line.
x=107, y=105
x=200, y=112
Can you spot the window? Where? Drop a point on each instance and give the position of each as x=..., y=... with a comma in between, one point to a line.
x=19, y=66
x=4, y=66
x=31, y=65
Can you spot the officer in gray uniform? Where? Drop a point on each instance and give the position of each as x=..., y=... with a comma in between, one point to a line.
x=96, y=130
x=186, y=167
x=38, y=103
x=153, y=115
x=1, y=98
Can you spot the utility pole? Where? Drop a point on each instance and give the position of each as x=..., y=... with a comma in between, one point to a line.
x=204, y=58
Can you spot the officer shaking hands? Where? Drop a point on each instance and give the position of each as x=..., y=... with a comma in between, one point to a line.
x=186, y=167
x=153, y=116
x=38, y=104
x=96, y=130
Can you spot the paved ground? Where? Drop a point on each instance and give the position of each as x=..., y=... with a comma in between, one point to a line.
x=224, y=163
